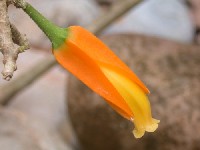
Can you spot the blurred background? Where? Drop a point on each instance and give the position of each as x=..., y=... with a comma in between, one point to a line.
x=155, y=32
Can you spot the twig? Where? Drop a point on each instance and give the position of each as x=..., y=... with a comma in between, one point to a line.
x=18, y=3
x=21, y=82
x=24, y=80
x=19, y=39
x=9, y=48
x=117, y=11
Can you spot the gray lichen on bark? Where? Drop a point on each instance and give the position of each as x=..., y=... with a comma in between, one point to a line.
x=11, y=41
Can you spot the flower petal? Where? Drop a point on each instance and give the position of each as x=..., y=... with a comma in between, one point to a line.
x=99, y=68
x=84, y=68
x=98, y=51
x=136, y=100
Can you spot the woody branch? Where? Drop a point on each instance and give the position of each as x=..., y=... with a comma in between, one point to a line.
x=12, y=42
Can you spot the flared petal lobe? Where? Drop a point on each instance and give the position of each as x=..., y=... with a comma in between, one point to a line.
x=136, y=99
x=99, y=68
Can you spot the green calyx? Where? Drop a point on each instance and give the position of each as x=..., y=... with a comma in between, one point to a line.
x=56, y=35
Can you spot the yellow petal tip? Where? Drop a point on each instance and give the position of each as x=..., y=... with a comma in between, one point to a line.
x=139, y=132
x=153, y=126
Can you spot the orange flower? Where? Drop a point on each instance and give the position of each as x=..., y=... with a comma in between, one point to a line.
x=99, y=68
x=91, y=61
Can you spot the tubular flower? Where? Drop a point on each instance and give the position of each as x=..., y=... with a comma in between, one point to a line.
x=92, y=62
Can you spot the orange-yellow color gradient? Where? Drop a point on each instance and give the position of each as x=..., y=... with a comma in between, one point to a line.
x=91, y=61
